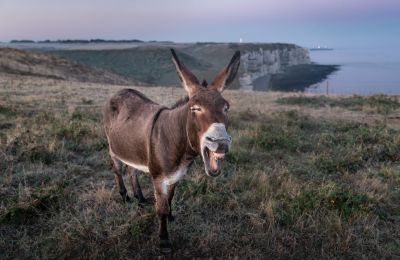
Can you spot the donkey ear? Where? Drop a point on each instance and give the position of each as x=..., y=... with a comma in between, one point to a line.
x=228, y=74
x=189, y=81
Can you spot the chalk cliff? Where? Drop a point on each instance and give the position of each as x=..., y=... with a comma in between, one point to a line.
x=258, y=66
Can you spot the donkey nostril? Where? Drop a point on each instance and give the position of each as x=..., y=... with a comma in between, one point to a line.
x=223, y=148
x=209, y=139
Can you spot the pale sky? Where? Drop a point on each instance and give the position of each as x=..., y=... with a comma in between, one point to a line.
x=337, y=23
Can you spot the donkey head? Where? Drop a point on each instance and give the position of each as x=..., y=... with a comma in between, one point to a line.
x=208, y=113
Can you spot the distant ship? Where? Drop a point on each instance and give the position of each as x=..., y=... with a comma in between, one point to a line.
x=321, y=48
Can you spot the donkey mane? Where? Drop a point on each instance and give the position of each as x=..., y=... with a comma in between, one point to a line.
x=180, y=102
x=184, y=100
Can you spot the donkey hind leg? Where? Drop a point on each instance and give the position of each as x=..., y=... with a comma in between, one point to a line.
x=162, y=209
x=137, y=191
x=116, y=165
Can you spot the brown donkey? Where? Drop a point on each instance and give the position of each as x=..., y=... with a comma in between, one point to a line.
x=164, y=141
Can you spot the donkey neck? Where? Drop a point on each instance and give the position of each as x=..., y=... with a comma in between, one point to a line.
x=179, y=118
x=170, y=144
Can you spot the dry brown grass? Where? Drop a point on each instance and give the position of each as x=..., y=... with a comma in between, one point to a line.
x=300, y=182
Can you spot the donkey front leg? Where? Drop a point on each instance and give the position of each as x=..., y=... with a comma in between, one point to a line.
x=163, y=210
x=116, y=165
x=171, y=191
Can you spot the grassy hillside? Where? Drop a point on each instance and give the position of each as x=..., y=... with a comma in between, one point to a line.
x=147, y=64
x=21, y=62
x=308, y=177
x=152, y=63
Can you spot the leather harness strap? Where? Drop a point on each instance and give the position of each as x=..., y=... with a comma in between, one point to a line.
x=189, y=143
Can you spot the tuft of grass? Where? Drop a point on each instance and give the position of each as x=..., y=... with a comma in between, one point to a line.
x=142, y=226
x=29, y=212
x=6, y=111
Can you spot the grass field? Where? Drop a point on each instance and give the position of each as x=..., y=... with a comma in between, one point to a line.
x=308, y=177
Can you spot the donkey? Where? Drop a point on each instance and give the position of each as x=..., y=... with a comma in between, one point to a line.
x=164, y=141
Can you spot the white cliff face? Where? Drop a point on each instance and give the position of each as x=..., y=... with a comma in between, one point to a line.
x=264, y=63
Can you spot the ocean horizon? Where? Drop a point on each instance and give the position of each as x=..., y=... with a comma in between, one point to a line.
x=362, y=71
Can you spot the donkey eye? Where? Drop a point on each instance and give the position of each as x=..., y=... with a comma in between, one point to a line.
x=195, y=108
x=226, y=109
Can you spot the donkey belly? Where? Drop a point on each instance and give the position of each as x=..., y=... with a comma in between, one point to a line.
x=139, y=167
x=129, y=144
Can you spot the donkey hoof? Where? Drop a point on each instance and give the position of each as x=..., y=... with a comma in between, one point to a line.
x=171, y=218
x=165, y=247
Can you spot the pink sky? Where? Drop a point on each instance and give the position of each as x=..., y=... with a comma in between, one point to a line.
x=206, y=20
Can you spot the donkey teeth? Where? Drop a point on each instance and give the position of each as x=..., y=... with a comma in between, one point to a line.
x=218, y=156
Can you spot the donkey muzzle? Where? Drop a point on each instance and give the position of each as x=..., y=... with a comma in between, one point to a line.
x=219, y=145
x=217, y=139
x=214, y=145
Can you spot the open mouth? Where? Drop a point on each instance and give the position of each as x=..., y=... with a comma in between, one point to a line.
x=212, y=161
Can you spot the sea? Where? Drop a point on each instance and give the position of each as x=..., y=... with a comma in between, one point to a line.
x=362, y=71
